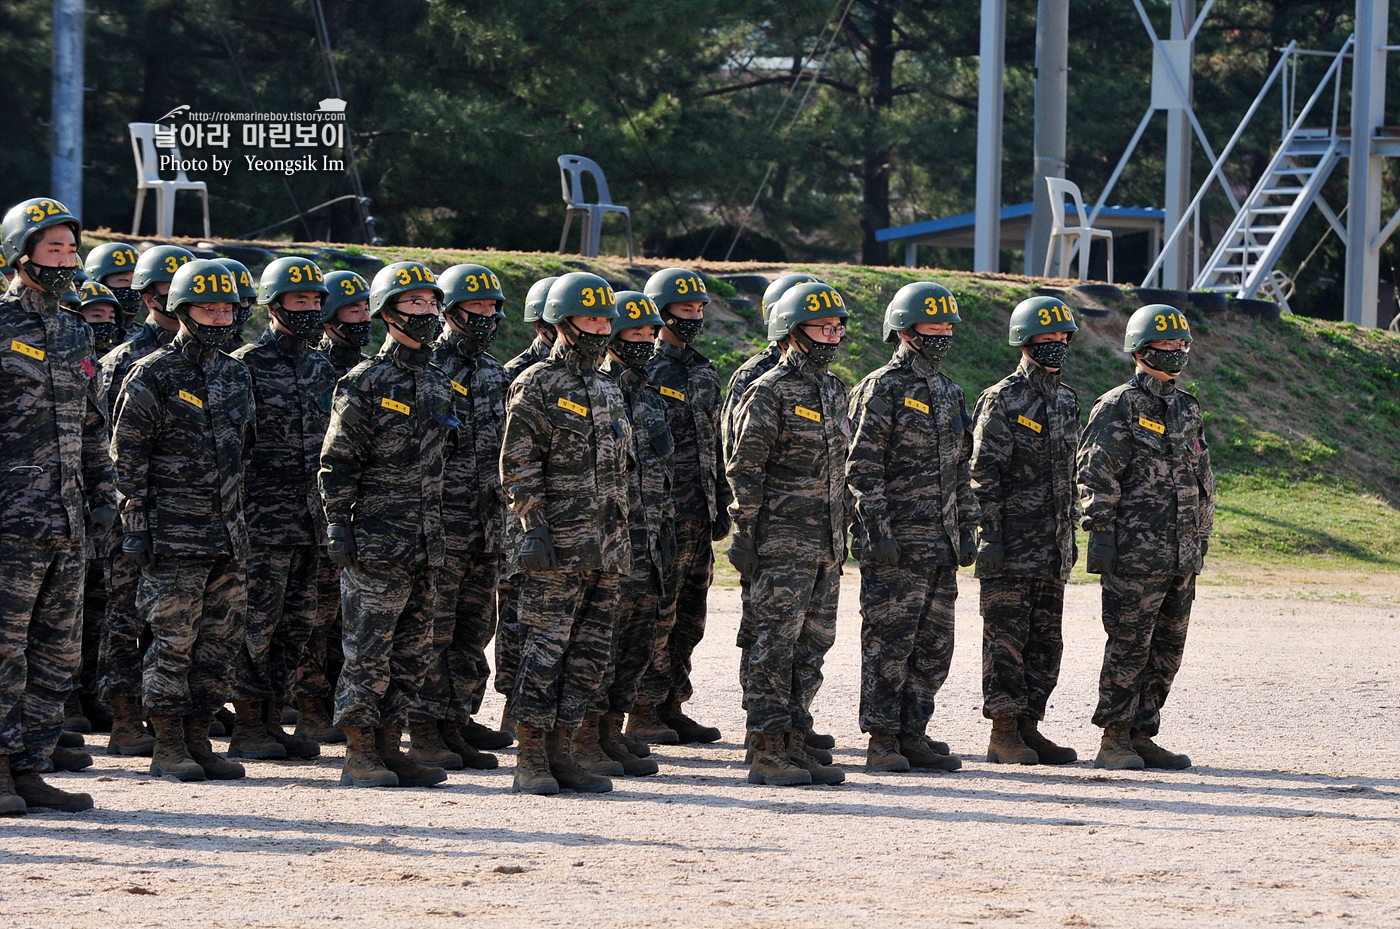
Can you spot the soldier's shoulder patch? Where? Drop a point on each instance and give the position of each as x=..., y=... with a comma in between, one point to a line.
x=874, y=402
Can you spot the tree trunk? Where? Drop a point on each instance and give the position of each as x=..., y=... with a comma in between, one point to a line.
x=875, y=168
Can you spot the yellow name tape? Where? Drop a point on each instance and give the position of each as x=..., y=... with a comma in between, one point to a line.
x=1030, y=424
x=805, y=413
x=1146, y=423
x=671, y=392
x=916, y=404
x=191, y=399
x=36, y=353
x=460, y=389
x=394, y=405
x=573, y=407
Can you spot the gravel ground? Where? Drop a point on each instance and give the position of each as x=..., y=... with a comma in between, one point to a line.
x=1288, y=707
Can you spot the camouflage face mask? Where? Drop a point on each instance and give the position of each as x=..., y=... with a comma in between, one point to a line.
x=1168, y=362
x=1050, y=354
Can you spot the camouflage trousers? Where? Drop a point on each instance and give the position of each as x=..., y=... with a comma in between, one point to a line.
x=510, y=636
x=387, y=634
x=463, y=624
x=283, y=607
x=568, y=623
x=633, y=639
x=906, y=644
x=321, y=659
x=681, y=623
x=125, y=633
x=1021, y=644
x=1145, y=616
x=94, y=609
x=41, y=586
x=194, y=606
x=794, y=624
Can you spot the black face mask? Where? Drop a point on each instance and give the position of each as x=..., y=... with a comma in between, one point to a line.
x=421, y=328
x=129, y=300
x=1050, y=354
x=548, y=328
x=819, y=353
x=477, y=331
x=162, y=301
x=685, y=329
x=104, y=336
x=304, y=324
x=587, y=344
x=206, y=334
x=53, y=280
x=635, y=354
x=932, y=348
x=1172, y=362
x=354, y=333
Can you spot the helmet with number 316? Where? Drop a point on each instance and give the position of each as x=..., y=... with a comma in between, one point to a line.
x=1155, y=323
x=634, y=310
x=801, y=304
x=1037, y=316
x=579, y=294
x=397, y=279
x=920, y=302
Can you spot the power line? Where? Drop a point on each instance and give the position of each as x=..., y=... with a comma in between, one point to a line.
x=323, y=39
x=656, y=172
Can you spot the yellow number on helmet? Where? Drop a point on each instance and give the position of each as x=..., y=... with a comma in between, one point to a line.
x=404, y=277
x=348, y=286
x=588, y=299
x=813, y=304
x=682, y=286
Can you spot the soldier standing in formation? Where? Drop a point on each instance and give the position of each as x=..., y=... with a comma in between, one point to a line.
x=112, y=265
x=912, y=527
x=393, y=424
x=788, y=473
x=243, y=310
x=293, y=385
x=1148, y=495
x=182, y=430
x=563, y=465
x=1027, y=426
x=473, y=514
x=57, y=490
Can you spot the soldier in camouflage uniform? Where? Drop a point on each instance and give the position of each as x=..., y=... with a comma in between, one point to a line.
x=346, y=331
x=293, y=384
x=473, y=514
x=1148, y=495
x=112, y=265
x=243, y=310
x=509, y=634
x=393, y=425
x=181, y=434
x=1023, y=444
x=691, y=386
x=57, y=484
x=125, y=635
x=564, y=463
x=911, y=527
x=788, y=473
x=599, y=744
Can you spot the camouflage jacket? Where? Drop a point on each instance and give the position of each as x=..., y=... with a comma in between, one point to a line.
x=342, y=357
x=53, y=421
x=788, y=469
x=537, y=352
x=1144, y=474
x=564, y=462
x=1027, y=427
x=145, y=339
x=690, y=385
x=748, y=372
x=907, y=469
x=393, y=425
x=183, y=430
x=651, y=502
x=473, y=504
x=293, y=385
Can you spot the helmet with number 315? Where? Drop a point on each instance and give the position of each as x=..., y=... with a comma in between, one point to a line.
x=1037, y=316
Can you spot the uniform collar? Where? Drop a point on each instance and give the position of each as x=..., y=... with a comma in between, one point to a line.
x=404, y=357
x=35, y=301
x=339, y=352
x=193, y=349
x=460, y=344
x=681, y=353
x=564, y=352
x=1037, y=376
x=905, y=356
x=802, y=362
x=1153, y=386
x=286, y=344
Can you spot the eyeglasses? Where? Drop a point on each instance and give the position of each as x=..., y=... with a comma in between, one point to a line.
x=827, y=329
x=212, y=309
x=418, y=303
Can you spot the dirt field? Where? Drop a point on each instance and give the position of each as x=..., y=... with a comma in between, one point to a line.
x=1288, y=704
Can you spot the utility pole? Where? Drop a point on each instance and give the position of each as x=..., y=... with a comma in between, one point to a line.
x=1364, y=184
x=986, y=251
x=66, y=175
x=1051, y=89
x=1176, y=272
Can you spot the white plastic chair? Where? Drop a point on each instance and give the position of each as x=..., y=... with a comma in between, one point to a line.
x=572, y=169
x=1070, y=236
x=143, y=146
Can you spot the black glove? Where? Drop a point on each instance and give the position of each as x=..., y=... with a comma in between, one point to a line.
x=990, y=555
x=721, y=526
x=100, y=520
x=1103, y=553
x=967, y=547
x=136, y=546
x=537, y=551
x=743, y=555
x=882, y=552
x=340, y=546
x=1205, y=547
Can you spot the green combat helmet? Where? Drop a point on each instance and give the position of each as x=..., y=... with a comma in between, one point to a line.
x=1154, y=323
x=247, y=293
x=581, y=294
x=534, y=299
x=346, y=287
x=1039, y=315
x=634, y=310
x=156, y=265
x=202, y=281
x=677, y=285
x=115, y=258
x=782, y=285
x=25, y=220
x=920, y=302
x=803, y=304
x=290, y=275
x=393, y=281
x=104, y=334
x=464, y=283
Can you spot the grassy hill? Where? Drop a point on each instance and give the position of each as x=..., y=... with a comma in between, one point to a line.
x=1303, y=416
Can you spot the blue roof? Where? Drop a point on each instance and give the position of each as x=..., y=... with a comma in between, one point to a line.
x=1014, y=211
